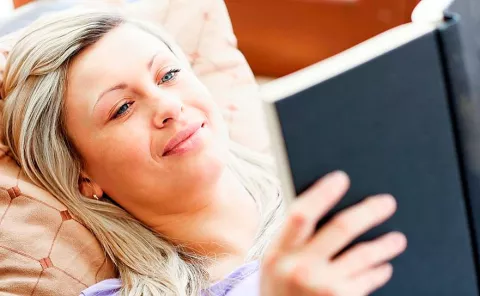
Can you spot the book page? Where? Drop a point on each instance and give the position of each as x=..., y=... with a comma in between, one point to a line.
x=430, y=11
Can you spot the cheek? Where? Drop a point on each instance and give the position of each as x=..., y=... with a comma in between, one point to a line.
x=118, y=157
x=202, y=100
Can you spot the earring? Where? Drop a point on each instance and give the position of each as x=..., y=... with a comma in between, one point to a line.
x=95, y=196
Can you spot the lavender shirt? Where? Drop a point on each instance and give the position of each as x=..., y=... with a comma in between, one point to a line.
x=241, y=282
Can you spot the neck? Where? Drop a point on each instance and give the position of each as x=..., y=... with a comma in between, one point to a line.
x=224, y=229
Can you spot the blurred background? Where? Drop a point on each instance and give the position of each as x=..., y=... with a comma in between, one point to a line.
x=297, y=32
x=302, y=32
x=6, y=8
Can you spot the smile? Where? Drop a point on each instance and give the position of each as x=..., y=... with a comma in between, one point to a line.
x=185, y=140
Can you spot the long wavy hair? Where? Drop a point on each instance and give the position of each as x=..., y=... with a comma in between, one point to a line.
x=34, y=86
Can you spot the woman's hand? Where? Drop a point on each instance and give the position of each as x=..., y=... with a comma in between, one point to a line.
x=300, y=263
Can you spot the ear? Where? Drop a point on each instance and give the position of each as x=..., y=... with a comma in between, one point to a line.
x=88, y=187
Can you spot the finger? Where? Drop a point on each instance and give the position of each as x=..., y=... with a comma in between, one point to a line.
x=309, y=208
x=366, y=255
x=344, y=227
x=371, y=280
x=307, y=278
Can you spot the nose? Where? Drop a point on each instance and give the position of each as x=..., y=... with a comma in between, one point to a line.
x=166, y=111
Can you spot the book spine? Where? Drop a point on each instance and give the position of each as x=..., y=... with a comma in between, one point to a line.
x=277, y=143
x=465, y=113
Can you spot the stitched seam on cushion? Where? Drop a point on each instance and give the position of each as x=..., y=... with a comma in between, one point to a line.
x=5, y=213
x=71, y=276
x=18, y=252
x=200, y=37
x=54, y=238
x=36, y=284
x=59, y=269
x=33, y=198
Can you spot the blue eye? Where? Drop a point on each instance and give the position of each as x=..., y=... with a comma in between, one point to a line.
x=169, y=76
x=122, y=110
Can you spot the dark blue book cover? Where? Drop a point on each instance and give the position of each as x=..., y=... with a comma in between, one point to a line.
x=384, y=112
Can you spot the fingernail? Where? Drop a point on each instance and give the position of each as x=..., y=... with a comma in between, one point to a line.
x=387, y=268
x=337, y=176
x=337, y=180
x=385, y=201
x=398, y=239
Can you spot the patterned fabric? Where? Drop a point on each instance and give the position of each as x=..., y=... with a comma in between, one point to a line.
x=43, y=249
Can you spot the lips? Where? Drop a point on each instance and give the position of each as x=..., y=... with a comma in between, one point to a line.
x=181, y=137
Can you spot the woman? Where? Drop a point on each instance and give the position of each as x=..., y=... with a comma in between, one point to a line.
x=105, y=113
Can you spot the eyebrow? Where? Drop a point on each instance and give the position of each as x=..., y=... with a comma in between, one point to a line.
x=124, y=85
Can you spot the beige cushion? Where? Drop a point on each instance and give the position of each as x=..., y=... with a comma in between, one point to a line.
x=43, y=249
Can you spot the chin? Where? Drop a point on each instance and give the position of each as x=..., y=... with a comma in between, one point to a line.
x=210, y=162
x=204, y=165
x=200, y=176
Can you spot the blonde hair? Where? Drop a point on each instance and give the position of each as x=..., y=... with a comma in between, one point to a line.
x=34, y=128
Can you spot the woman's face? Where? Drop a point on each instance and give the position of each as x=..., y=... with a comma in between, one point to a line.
x=148, y=131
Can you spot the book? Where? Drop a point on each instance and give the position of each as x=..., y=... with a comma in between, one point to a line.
x=391, y=113
x=464, y=67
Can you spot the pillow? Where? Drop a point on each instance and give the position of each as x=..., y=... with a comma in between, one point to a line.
x=43, y=249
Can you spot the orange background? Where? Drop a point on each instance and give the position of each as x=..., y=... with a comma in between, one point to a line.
x=281, y=36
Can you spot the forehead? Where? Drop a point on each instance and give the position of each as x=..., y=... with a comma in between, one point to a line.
x=124, y=48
